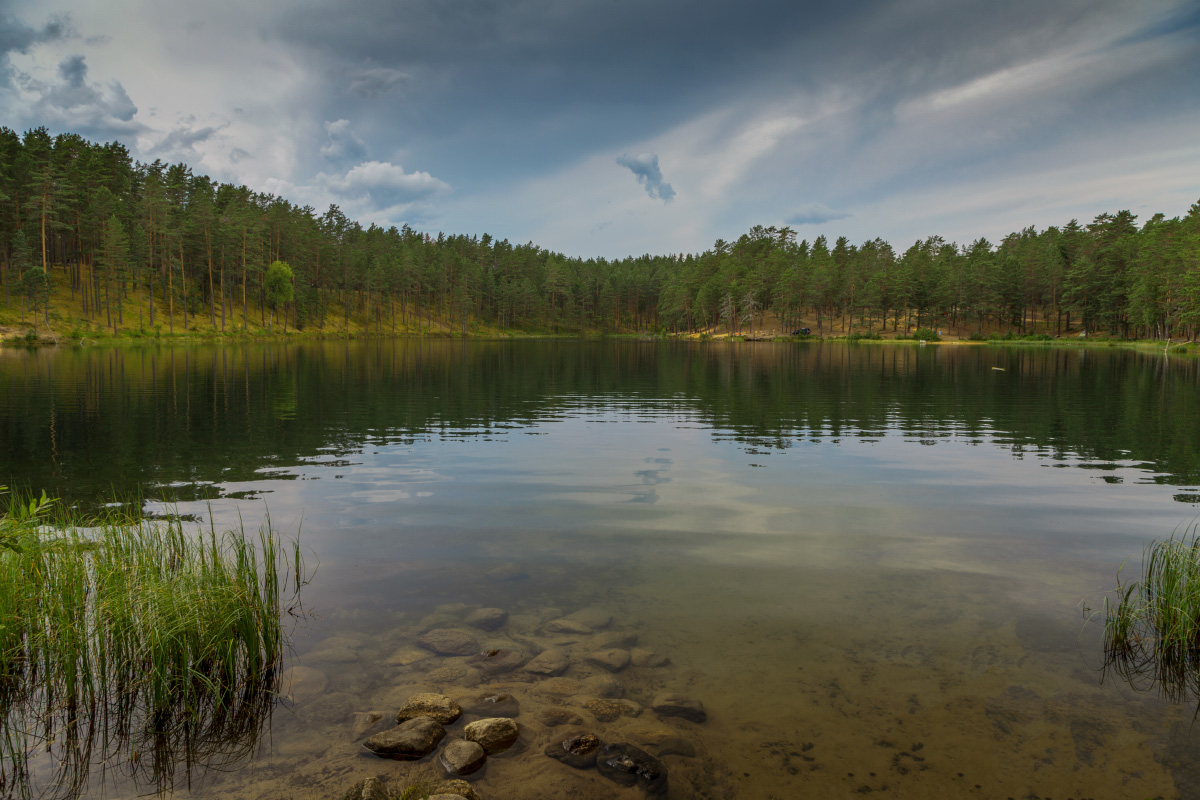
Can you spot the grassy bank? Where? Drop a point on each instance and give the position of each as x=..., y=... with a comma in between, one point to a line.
x=133, y=642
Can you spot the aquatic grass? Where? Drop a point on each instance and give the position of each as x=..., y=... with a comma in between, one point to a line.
x=1152, y=628
x=136, y=644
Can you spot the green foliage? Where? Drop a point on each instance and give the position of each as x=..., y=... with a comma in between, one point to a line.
x=858, y=336
x=278, y=283
x=926, y=334
x=203, y=248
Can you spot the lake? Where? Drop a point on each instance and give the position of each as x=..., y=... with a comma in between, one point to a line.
x=870, y=563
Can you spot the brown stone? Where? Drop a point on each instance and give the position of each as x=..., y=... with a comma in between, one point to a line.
x=495, y=734
x=428, y=704
x=414, y=739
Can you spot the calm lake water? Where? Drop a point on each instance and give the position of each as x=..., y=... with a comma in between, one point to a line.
x=870, y=563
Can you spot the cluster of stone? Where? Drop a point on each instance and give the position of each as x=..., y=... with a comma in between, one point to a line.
x=571, y=664
x=420, y=728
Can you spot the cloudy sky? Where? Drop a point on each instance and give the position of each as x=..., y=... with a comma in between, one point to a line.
x=611, y=127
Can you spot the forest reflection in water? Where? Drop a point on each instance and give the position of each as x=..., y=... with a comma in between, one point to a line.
x=857, y=548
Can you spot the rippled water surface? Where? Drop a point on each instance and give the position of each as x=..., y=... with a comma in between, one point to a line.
x=869, y=563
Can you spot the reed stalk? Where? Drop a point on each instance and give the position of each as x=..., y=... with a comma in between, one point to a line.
x=1152, y=627
x=133, y=644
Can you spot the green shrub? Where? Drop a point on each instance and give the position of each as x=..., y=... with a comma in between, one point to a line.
x=927, y=334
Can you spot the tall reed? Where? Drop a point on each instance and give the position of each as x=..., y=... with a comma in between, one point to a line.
x=1152, y=629
x=135, y=644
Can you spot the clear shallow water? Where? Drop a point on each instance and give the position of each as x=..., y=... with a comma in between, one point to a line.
x=880, y=552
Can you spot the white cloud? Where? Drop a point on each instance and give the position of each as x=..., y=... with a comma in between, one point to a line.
x=380, y=185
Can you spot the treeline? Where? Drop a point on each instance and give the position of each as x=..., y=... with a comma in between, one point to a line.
x=87, y=216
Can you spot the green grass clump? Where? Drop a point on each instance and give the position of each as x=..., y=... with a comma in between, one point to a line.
x=134, y=643
x=1152, y=630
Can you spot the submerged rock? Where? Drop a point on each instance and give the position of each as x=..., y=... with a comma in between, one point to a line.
x=373, y=789
x=553, y=717
x=414, y=739
x=609, y=710
x=455, y=787
x=407, y=655
x=363, y=722
x=610, y=639
x=449, y=642
x=507, y=572
x=613, y=660
x=428, y=704
x=461, y=757
x=548, y=662
x=627, y=765
x=577, y=749
x=647, y=658
x=493, y=704
x=605, y=686
x=497, y=661
x=495, y=734
x=586, y=620
x=487, y=619
x=677, y=705
x=302, y=683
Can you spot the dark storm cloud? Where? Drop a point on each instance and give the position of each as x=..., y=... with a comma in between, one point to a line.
x=18, y=37
x=181, y=142
x=645, y=167
x=546, y=79
x=375, y=81
x=75, y=104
